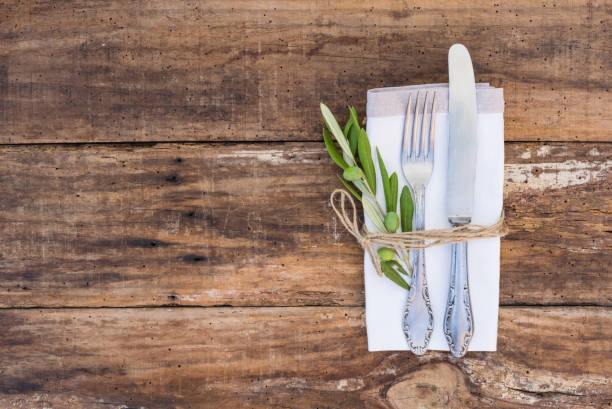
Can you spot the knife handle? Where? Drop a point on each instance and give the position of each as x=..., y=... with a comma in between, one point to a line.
x=458, y=324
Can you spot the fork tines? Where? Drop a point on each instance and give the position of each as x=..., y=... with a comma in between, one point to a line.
x=423, y=126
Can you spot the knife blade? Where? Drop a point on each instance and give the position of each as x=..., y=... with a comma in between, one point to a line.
x=462, y=116
x=461, y=174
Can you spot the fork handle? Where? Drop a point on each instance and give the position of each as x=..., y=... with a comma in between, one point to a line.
x=458, y=324
x=418, y=316
x=418, y=193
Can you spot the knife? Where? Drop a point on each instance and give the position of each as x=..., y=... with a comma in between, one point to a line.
x=462, y=147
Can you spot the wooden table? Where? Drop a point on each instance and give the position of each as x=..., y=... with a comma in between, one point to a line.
x=166, y=240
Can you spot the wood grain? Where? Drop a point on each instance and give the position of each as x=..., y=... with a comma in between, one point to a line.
x=241, y=70
x=250, y=225
x=308, y=357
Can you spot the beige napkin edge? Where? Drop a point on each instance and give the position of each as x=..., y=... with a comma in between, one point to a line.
x=385, y=102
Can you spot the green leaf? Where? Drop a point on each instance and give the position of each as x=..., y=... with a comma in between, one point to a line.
x=393, y=188
x=333, y=152
x=354, y=131
x=334, y=128
x=347, y=127
x=389, y=271
x=373, y=215
x=398, y=267
x=385, y=180
x=353, y=113
x=363, y=188
x=350, y=189
x=353, y=173
x=365, y=157
x=406, y=209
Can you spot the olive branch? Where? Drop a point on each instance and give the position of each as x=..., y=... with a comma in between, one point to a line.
x=359, y=171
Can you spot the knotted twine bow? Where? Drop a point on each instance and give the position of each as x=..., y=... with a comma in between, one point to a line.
x=408, y=240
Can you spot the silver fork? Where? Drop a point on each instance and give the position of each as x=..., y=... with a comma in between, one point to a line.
x=417, y=165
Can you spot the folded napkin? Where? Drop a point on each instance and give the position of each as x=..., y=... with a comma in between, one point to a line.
x=385, y=301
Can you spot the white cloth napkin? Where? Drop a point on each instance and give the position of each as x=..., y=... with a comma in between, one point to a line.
x=385, y=301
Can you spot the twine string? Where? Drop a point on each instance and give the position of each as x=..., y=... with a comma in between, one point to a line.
x=407, y=240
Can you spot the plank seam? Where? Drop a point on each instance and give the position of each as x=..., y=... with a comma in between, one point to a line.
x=173, y=306
x=250, y=142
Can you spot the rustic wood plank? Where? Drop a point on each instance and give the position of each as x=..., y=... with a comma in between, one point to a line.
x=302, y=357
x=559, y=209
x=242, y=70
x=250, y=225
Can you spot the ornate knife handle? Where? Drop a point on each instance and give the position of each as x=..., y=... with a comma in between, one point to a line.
x=458, y=324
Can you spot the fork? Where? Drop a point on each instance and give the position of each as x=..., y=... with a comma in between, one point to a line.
x=417, y=165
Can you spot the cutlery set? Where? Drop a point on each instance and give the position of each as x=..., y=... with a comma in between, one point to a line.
x=417, y=161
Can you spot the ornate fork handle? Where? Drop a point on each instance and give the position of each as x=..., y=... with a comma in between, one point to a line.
x=458, y=324
x=418, y=316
